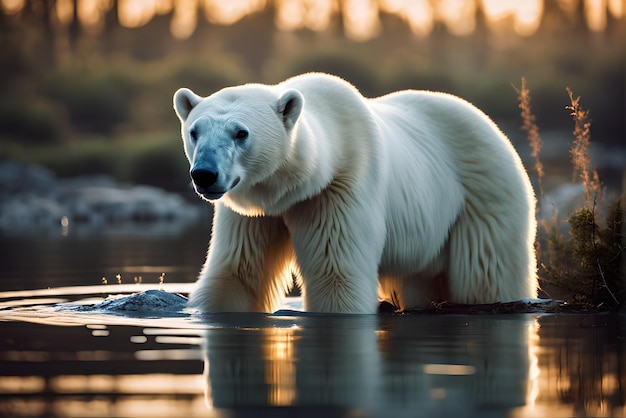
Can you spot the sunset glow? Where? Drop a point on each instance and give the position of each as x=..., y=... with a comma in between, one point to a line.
x=280, y=366
x=526, y=15
x=12, y=6
x=227, y=13
x=185, y=19
x=91, y=13
x=419, y=14
x=595, y=13
x=458, y=15
x=133, y=14
x=360, y=18
x=616, y=8
x=304, y=14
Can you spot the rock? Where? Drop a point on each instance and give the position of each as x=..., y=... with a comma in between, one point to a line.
x=149, y=301
x=17, y=178
x=31, y=196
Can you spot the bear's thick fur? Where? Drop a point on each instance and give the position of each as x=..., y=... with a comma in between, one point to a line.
x=411, y=197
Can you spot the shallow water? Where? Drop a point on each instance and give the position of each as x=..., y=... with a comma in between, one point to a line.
x=60, y=356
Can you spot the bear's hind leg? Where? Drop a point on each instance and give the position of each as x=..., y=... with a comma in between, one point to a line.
x=491, y=258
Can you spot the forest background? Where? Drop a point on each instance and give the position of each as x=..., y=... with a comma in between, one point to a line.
x=86, y=85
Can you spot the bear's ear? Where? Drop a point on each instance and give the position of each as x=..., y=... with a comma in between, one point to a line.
x=289, y=107
x=184, y=101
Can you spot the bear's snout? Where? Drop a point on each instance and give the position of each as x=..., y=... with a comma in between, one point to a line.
x=204, y=177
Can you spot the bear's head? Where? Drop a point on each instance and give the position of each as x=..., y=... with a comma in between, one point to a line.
x=236, y=138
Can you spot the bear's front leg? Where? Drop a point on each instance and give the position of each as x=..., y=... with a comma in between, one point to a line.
x=247, y=266
x=338, y=244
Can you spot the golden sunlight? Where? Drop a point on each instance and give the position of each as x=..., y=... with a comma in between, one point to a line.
x=616, y=8
x=12, y=6
x=184, y=19
x=227, y=13
x=360, y=18
x=419, y=14
x=304, y=14
x=64, y=11
x=526, y=15
x=595, y=13
x=532, y=390
x=91, y=13
x=529, y=17
x=459, y=16
x=132, y=14
x=280, y=373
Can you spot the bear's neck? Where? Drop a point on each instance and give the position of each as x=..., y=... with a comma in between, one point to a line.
x=305, y=172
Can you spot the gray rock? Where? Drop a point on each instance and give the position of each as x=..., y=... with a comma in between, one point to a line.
x=149, y=301
x=32, y=197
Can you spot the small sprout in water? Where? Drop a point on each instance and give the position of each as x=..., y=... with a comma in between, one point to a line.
x=161, y=278
x=104, y=280
x=119, y=279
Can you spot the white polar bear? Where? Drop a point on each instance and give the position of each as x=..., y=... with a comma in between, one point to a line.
x=410, y=197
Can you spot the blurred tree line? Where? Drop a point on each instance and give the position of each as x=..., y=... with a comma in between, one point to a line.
x=81, y=100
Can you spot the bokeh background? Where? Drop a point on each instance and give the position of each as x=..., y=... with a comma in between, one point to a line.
x=86, y=85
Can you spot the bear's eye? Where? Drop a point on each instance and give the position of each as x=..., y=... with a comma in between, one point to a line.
x=241, y=134
x=193, y=134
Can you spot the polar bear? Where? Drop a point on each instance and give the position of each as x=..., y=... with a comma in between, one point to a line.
x=411, y=197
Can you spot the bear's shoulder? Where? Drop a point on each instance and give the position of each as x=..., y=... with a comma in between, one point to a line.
x=319, y=82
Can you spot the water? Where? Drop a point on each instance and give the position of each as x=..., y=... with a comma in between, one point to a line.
x=60, y=357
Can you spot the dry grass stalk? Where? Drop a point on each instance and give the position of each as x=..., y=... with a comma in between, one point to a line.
x=580, y=149
x=531, y=128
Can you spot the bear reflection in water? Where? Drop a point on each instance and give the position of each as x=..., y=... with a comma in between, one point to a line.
x=372, y=364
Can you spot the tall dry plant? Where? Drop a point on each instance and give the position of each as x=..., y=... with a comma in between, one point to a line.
x=579, y=151
x=587, y=263
x=530, y=126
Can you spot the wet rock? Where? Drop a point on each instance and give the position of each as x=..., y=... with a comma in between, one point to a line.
x=149, y=301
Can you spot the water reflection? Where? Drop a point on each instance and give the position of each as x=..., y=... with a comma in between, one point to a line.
x=583, y=364
x=425, y=366
x=86, y=256
x=397, y=365
x=70, y=371
x=313, y=365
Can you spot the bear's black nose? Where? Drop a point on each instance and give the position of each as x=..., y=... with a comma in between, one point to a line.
x=204, y=177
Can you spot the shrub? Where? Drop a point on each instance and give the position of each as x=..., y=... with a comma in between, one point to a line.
x=589, y=263
x=158, y=163
x=79, y=158
x=96, y=102
x=31, y=121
